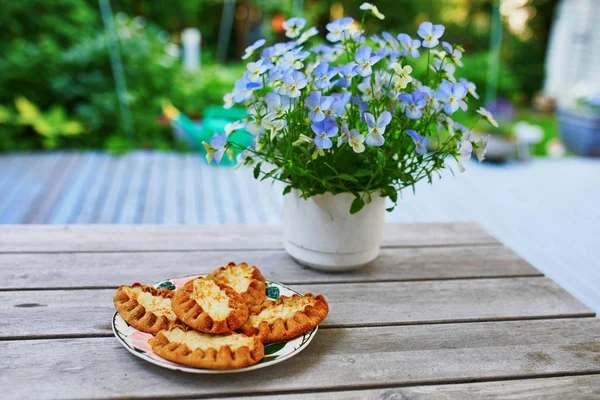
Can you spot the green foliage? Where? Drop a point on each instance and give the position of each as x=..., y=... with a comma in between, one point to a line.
x=54, y=52
x=49, y=125
x=62, y=59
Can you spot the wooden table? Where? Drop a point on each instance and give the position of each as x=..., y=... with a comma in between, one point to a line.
x=445, y=310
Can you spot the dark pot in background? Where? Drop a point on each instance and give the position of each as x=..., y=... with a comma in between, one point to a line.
x=580, y=131
x=500, y=149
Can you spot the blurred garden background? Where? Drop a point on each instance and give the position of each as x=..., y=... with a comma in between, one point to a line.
x=85, y=138
x=62, y=90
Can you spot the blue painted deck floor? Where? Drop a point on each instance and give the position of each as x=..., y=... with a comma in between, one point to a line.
x=548, y=211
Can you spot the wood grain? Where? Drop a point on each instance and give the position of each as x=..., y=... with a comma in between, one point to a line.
x=78, y=238
x=350, y=304
x=71, y=270
x=337, y=359
x=569, y=387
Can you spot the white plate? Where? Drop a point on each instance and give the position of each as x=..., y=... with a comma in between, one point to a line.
x=136, y=342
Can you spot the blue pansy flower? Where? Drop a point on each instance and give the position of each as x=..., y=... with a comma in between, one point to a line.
x=317, y=105
x=430, y=98
x=323, y=74
x=430, y=34
x=409, y=45
x=451, y=95
x=324, y=130
x=337, y=28
x=307, y=34
x=392, y=41
x=293, y=83
x=455, y=54
x=362, y=105
x=277, y=105
x=413, y=103
x=381, y=45
x=377, y=128
x=346, y=72
x=255, y=70
x=253, y=47
x=421, y=142
x=471, y=87
x=292, y=58
x=365, y=59
x=216, y=148
x=322, y=51
x=273, y=53
x=242, y=90
x=293, y=26
x=338, y=107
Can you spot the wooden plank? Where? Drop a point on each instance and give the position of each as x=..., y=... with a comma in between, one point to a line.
x=41, y=212
x=30, y=188
x=68, y=238
x=170, y=190
x=189, y=190
x=253, y=206
x=19, y=183
x=154, y=191
x=55, y=270
x=89, y=195
x=9, y=165
x=337, y=359
x=210, y=211
x=114, y=192
x=128, y=210
x=75, y=188
x=351, y=305
x=567, y=387
x=98, y=192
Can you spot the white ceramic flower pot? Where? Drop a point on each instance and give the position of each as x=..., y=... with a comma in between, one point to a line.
x=321, y=233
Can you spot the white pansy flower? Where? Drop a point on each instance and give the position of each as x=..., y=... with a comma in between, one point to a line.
x=373, y=9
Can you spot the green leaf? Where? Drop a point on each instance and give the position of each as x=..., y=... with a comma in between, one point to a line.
x=168, y=285
x=390, y=209
x=357, y=205
x=274, y=347
x=362, y=173
x=393, y=195
x=270, y=174
x=273, y=292
x=381, y=158
x=287, y=190
x=347, y=177
x=257, y=170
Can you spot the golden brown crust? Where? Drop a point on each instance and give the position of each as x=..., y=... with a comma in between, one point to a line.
x=223, y=357
x=279, y=328
x=255, y=294
x=193, y=314
x=136, y=315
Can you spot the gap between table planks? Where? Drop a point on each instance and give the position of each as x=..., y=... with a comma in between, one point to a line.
x=113, y=238
x=19, y=271
x=337, y=359
x=568, y=387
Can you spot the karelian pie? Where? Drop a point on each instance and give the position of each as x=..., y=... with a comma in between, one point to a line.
x=146, y=308
x=209, y=306
x=186, y=346
x=286, y=317
x=244, y=279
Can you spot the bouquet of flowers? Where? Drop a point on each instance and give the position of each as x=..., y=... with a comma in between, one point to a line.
x=351, y=116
